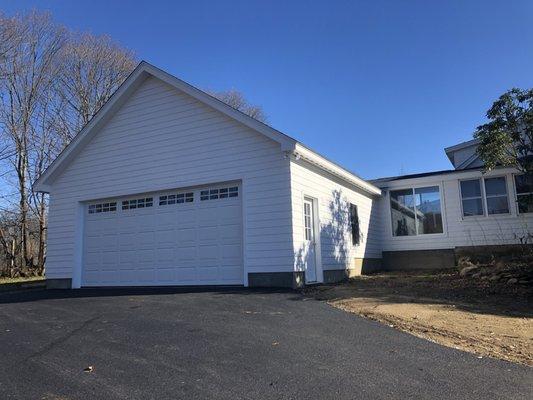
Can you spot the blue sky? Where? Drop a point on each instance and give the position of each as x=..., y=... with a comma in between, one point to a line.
x=381, y=87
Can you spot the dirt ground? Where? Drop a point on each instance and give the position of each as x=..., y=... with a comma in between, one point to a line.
x=485, y=317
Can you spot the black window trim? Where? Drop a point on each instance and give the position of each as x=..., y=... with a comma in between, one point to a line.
x=442, y=210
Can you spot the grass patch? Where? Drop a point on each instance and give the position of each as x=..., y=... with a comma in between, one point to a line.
x=5, y=281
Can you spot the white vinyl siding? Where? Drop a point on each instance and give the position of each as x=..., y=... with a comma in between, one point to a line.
x=162, y=139
x=333, y=197
x=479, y=230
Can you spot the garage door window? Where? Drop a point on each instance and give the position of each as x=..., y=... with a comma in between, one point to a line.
x=178, y=198
x=102, y=207
x=137, y=203
x=221, y=193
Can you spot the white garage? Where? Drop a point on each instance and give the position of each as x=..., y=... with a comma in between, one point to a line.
x=167, y=185
x=177, y=237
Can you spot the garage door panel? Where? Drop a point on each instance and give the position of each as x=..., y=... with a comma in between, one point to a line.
x=109, y=259
x=186, y=216
x=210, y=252
x=109, y=276
x=109, y=242
x=186, y=254
x=208, y=273
x=93, y=243
x=208, y=216
x=145, y=257
x=127, y=241
x=207, y=234
x=198, y=242
x=164, y=221
x=144, y=275
x=165, y=257
x=128, y=257
x=93, y=260
x=230, y=251
x=127, y=223
x=230, y=215
x=165, y=239
x=165, y=275
x=230, y=272
x=145, y=222
x=231, y=233
x=145, y=240
x=91, y=278
x=186, y=237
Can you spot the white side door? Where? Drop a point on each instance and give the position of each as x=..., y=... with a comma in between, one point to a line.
x=309, y=241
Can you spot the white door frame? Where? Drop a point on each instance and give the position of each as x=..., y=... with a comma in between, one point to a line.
x=316, y=234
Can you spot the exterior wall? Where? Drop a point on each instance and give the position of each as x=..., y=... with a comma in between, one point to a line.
x=333, y=197
x=164, y=139
x=458, y=230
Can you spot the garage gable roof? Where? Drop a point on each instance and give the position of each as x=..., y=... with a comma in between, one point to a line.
x=134, y=80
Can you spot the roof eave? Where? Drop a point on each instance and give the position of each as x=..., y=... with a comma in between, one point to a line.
x=335, y=169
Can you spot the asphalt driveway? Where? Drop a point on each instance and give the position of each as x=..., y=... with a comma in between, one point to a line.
x=226, y=344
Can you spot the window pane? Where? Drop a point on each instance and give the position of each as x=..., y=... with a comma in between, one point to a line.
x=525, y=203
x=354, y=224
x=403, y=212
x=472, y=207
x=429, y=215
x=495, y=186
x=524, y=183
x=470, y=188
x=497, y=205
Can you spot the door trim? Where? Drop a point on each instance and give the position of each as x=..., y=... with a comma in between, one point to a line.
x=316, y=232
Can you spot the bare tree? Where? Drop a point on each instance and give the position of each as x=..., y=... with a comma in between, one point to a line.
x=93, y=68
x=52, y=82
x=28, y=70
x=237, y=100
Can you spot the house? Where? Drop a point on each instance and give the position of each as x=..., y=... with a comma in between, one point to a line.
x=166, y=185
x=431, y=218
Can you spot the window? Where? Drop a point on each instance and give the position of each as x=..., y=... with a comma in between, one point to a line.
x=524, y=193
x=354, y=224
x=178, y=198
x=494, y=191
x=308, y=227
x=496, y=194
x=221, y=193
x=416, y=211
x=471, y=197
x=137, y=203
x=102, y=207
x=428, y=216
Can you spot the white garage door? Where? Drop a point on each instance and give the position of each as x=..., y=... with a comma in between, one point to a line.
x=180, y=237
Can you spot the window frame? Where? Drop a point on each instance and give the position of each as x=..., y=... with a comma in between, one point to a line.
x=484, y=204
x=482, y=196
x=506, y=195
x=442, y=211
x=515, y=187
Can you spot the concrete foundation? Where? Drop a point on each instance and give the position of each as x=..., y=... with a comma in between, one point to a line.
x=418, y=259
x=63, y=283
x=293, y=280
